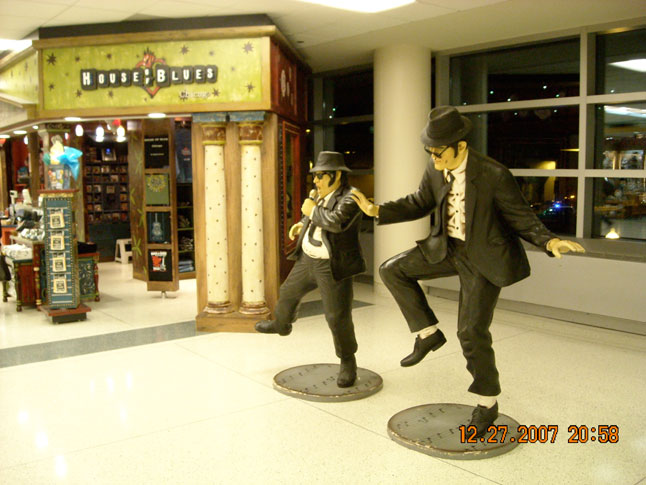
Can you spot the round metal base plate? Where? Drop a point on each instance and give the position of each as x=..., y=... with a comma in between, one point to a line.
x=434, y=429
x=317, y=382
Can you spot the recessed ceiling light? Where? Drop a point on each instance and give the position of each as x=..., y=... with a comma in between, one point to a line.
x=633, y=65
x=14, y=45
x=156, y=115
x=364, y=6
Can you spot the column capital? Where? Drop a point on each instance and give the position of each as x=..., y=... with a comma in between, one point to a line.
x=220, y=117
x=251, y=133
x=213, y=133
x=247, y=116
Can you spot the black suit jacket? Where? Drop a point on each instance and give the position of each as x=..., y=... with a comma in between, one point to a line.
x=497, y=214
x=340, y=223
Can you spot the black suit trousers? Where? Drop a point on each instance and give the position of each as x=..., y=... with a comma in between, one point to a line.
x=478, y=299
x=305, y=276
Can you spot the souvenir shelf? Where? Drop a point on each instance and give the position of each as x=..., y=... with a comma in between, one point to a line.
x=106, y=194
x=61, y=258
x=185, y=231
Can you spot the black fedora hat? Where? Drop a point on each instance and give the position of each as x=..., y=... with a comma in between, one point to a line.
x=445, y=126
x=329, y=162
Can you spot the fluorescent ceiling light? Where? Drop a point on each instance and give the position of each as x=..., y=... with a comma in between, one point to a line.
x=19, y=132
x=72, y=118
x=634, y=65
x=625, y=111
x=156, y=115
x=364, y=6
x=14, y=45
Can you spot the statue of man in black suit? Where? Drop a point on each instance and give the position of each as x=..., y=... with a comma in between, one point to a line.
x=477, y=215
x=327, y=255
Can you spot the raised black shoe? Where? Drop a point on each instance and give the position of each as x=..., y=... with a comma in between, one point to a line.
x=271, y=326
x=422, y=347
x=483, y=417
x=348, y=372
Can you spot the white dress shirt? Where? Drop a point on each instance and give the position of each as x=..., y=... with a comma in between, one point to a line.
x=456, y=223
x=317, y=252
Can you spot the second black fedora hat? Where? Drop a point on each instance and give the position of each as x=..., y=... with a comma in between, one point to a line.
x=445, y=126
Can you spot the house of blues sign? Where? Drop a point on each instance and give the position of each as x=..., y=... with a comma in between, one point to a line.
x=153, y=73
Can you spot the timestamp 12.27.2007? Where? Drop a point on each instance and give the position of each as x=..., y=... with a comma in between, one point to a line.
x=540, y=434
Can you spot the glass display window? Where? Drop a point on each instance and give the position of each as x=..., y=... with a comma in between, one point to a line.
x=621, y=62
x=541, y=138
x=538, y=71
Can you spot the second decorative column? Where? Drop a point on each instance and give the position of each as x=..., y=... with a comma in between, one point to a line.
x=217, y=250
x=253, y=273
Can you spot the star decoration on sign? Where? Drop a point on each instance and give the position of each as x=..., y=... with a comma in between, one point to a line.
x=248, y=47
x=184, y=49
x=250, y=87
x=109, y=56
x=216, y=92
x=51, y=86
x=233, y=68
x=111, y=94
x=79, y=93
x=77, y=58
x=51, y=59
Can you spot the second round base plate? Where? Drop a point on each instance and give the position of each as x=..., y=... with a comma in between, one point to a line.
x=317, y=382
x=434, y=429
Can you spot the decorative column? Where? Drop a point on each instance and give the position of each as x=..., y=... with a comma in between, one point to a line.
x=217, y=249
x=253, y=272
x=402, y=101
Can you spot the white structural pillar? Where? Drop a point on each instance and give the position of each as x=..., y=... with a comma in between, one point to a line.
x=402, y=101
x=215, y=203
x=253, y=272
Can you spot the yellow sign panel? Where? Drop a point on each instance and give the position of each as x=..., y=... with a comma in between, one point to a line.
x=21, y=79
x=148, y=74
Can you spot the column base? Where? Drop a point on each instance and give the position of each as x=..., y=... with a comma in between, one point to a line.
x=257, y=308
x=218, y=308
x=229, y=322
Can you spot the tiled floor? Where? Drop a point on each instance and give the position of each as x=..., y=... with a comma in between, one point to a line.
x=201, y=409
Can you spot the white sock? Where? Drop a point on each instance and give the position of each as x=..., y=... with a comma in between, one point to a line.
x=487, y=401
x=425, y=332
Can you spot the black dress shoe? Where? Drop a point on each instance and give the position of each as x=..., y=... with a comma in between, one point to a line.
x=482, y=418
x=271, y=326
x=348, y=372
x=422, y=347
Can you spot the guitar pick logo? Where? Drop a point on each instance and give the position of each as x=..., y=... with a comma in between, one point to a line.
x=148, y=63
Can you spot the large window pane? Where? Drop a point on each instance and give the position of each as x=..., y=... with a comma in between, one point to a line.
x=356, y=142
x=533, y=72
x=553, y=199
x=620, y=141
x=351, y=94
x=621, y=62
x=546, y=138
x=620, y=208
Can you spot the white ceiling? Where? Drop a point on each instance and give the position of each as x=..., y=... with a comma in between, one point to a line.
x=329, y=38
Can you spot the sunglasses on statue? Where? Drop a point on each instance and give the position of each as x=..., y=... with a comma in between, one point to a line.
x=428, y=150
x=320, y=175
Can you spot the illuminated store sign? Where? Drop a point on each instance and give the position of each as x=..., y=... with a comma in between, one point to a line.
x=148, y=72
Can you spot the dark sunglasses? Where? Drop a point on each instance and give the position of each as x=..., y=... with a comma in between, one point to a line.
x=435, y=154
x=320, y=175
